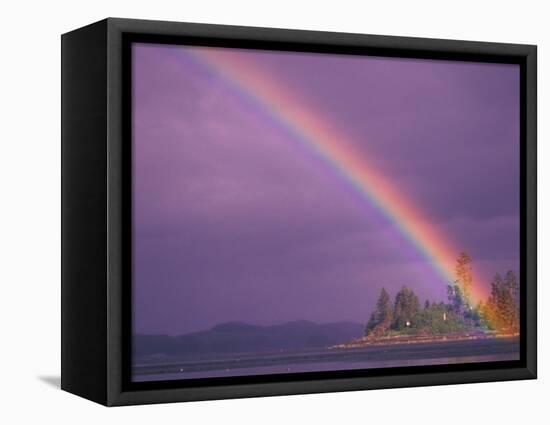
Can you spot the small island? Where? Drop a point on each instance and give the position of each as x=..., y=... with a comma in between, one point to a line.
x=404, y=321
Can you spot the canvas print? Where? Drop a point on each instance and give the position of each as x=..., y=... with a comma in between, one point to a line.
x=306, y=212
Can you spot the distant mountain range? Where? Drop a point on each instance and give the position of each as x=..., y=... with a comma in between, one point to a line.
x=239, y=337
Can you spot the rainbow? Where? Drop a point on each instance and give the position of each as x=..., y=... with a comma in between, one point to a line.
x=319, y=135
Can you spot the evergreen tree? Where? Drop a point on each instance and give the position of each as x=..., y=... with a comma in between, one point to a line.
x=512, y=283
x=501, y=310
x=456, y=299
x=490, y=311
x=406, y=307
x=371, y=324
x=464, y=279
x=381, y=319
x=509, y=302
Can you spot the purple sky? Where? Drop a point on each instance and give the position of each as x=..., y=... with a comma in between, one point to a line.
x=234, y=220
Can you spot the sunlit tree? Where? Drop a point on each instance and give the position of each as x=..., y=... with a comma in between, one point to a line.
x=501, y=311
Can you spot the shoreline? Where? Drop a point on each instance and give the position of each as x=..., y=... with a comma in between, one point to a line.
x=421, y=339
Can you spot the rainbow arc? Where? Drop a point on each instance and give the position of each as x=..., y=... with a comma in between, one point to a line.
x=318, y=134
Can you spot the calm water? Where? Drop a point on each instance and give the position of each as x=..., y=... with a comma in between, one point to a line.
x=327, y=359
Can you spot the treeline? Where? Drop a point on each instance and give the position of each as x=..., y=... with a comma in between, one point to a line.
x=404, y=314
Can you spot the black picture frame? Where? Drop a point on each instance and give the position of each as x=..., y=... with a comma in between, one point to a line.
x=96, y=208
